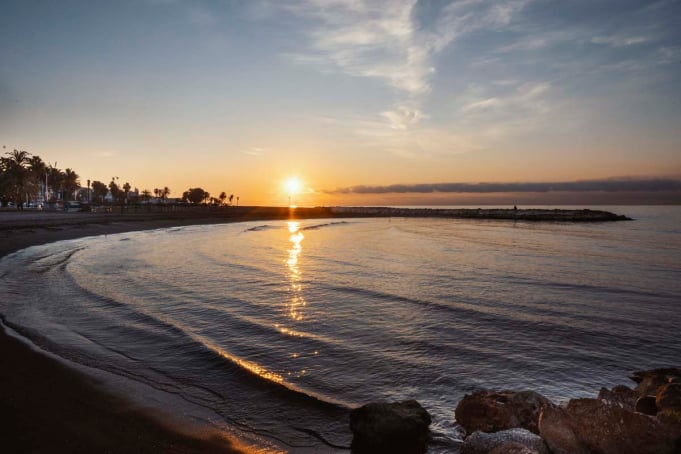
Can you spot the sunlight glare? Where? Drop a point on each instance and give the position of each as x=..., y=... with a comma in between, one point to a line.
x=293, y=185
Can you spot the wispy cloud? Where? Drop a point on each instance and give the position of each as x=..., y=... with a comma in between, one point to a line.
x=619, y=40
x=253, y=151
x=386, y=40
x=527, y=97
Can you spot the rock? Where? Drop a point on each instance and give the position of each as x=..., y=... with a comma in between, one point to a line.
x=668, y=401
x=490, y=411
x=646, y=405
x=620, y=395
x=556, y=430
x=649, y=380
x=503, y=441
x=380, y=427
x=668, y=397
x=611, y=429
x=512, y=448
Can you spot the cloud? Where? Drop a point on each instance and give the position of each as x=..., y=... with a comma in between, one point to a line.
x=403, y=117
x=389, y=41
x=253, y=151
x=527, y=97
x=619, y=41
x=608, y=185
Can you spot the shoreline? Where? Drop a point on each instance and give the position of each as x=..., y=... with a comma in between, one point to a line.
x=57, y=408
x=54, y=407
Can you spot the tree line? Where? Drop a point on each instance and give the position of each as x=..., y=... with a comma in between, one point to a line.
x=26, y=178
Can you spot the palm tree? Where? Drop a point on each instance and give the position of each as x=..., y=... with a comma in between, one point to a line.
x=231, y=197
x=38, y=170
x=17, y=174
x=165, y=192
x=55, y=177
x=222, y=197
x=70, y=183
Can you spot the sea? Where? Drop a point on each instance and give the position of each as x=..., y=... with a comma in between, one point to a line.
x=277, y=329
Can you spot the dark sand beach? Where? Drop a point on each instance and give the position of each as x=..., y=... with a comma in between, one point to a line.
x=47, y=406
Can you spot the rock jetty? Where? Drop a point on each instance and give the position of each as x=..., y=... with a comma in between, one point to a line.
x=622, y=420
x=534, y=215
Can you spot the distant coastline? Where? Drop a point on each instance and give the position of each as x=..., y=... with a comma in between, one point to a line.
x=187, y=214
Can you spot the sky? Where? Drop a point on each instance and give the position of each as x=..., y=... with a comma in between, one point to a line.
x=352, y=97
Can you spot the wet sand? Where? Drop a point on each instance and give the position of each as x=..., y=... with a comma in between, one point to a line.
x=46, y=406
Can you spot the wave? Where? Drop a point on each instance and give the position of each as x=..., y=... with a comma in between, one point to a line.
x=260, y=228
x=327, y=224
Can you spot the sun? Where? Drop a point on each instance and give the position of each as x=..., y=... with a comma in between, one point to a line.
x=293, y=186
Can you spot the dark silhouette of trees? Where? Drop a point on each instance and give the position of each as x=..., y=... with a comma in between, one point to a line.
x=195, y=195
x=70, y=183
x=17, y=181
x=99, y=190
x=25, y=177
x=126, y=191
x=115, y=190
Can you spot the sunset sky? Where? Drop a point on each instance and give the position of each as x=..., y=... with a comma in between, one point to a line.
x=238, y=96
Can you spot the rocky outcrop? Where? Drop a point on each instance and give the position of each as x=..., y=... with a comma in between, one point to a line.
x=620, y=395
x=650, y=380
x=512, y=440
x=380, y=427
x=668, y=403
x=646, y=405
x=621, y=420
x=556, y=429
x=644, y=420
x=491, y=411
x=610, y=429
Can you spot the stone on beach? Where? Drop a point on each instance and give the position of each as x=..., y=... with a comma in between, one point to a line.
x=668, y=402
x=491, y=411
x=381, y=427
x=512, y=440
x=596, y=426
x=620, y=395
x=650, y=380
x=646, y=405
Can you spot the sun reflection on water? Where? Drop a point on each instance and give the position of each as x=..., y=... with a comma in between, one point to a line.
x=297, y=301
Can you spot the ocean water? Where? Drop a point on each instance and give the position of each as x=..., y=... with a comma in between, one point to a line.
x=280, y=328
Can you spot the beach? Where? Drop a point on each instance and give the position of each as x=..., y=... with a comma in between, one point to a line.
x=50, y=407
x=56, y=408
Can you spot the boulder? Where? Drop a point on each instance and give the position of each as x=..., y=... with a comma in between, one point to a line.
x=649, y=380
x=491, y=411
x=620, y=395
x=519, y=440
x=646, y=405
x=611, y=429
x=556, y=430
x=668, y=397
x=512, y=448
x=381, y=427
